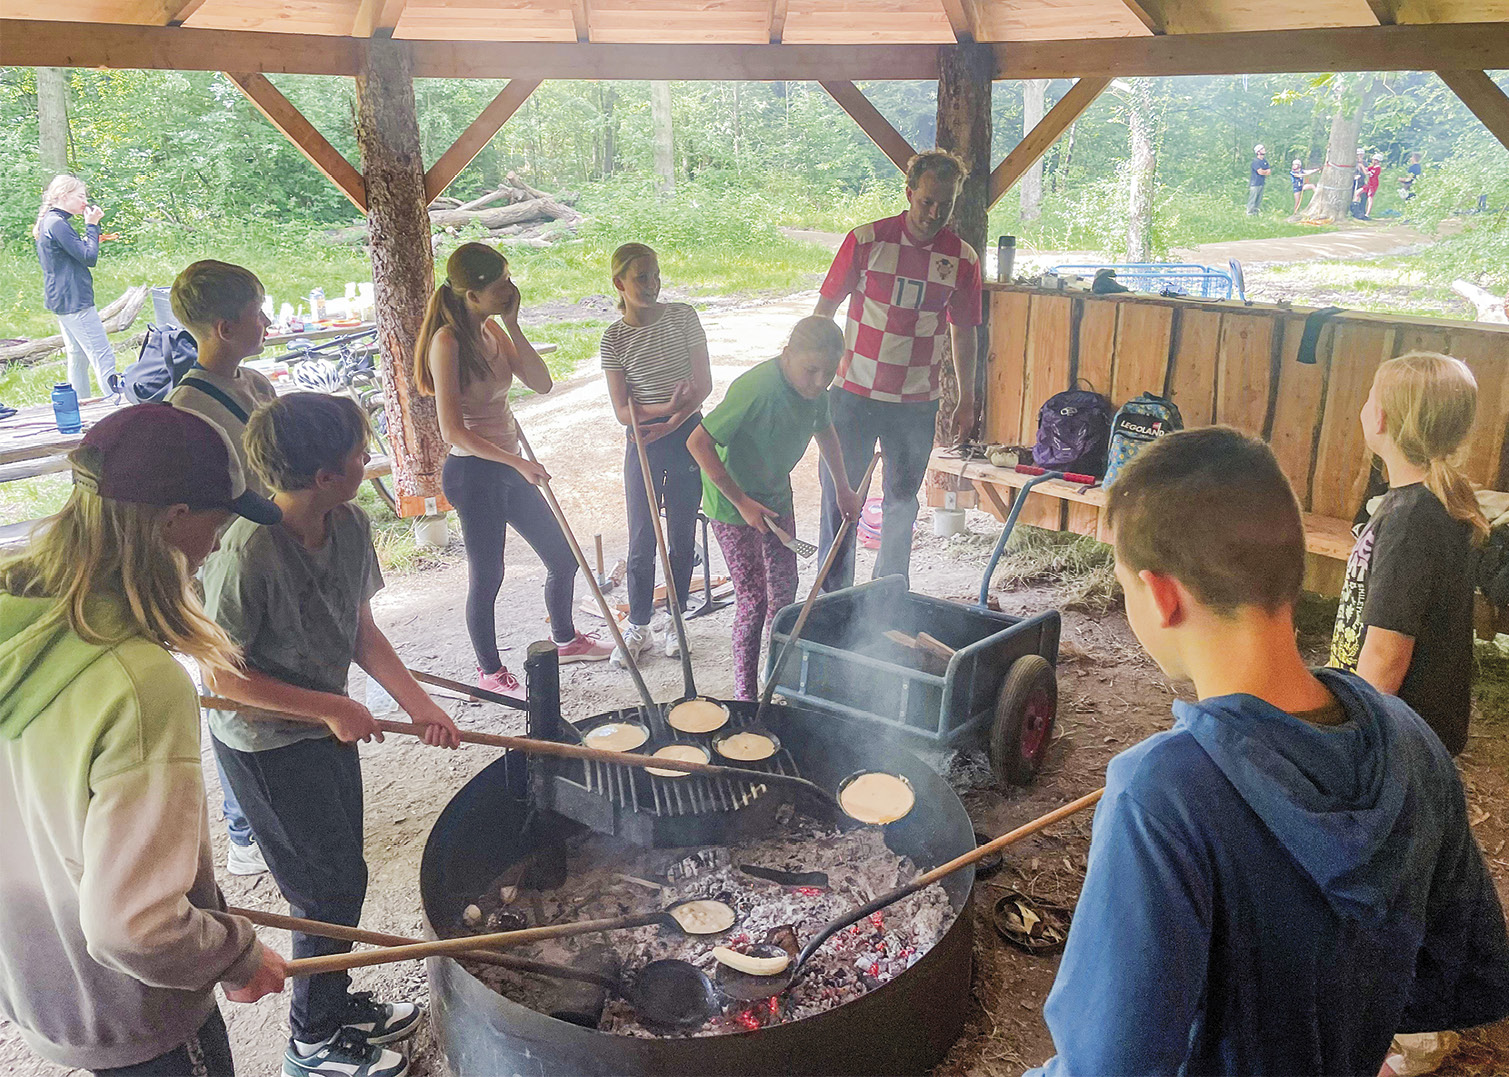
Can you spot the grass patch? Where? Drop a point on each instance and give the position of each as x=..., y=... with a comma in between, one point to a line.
x=1490, y=689
x=1082, y=568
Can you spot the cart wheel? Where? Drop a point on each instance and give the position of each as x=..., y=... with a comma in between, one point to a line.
x=1023, y=726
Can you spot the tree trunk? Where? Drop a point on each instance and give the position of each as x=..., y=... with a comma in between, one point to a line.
x=1034, y=91
x=1332, y=200
x=964, y=80
x=1141, y=170
x=1062, y=169
x=387, y=134
x=52, y=118
x=660, y=120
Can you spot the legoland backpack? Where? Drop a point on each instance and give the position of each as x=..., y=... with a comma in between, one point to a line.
x=1073, y=432
x=1138, y=423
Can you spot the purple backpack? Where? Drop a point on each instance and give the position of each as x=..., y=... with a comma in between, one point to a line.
x=1073, y=432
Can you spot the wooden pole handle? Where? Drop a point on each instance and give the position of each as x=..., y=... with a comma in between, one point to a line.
x=313, y=966
x=1025, y=830
x=597, y=592
x=382, y=938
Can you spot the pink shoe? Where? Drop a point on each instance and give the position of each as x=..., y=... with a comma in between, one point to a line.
x=584, y=649
x=502, y=682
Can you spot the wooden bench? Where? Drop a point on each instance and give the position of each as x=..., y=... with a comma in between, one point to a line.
x=1220, y=362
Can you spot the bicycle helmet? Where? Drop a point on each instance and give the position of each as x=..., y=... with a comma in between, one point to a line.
x=318, y=376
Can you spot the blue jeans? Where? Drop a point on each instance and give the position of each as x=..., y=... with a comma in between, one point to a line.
x=85, y=341
x=236, y=826
x=905, y=433
x=677, y=482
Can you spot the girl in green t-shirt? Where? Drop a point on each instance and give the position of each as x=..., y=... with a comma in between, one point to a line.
x=747, y=448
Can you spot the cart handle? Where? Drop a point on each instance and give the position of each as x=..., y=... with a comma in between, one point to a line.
x=1011, y=518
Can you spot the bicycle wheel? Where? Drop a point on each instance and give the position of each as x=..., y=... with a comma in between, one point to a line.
x=372, y=404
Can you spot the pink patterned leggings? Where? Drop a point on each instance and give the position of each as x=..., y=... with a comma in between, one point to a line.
x=764, y=577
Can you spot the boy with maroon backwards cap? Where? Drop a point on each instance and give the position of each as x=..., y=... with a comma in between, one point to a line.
x=113, y=934
x=908, y=279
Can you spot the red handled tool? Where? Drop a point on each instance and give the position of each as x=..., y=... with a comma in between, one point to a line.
x=1067, y=476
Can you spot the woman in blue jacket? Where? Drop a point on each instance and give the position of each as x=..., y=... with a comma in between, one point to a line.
x=68, y=286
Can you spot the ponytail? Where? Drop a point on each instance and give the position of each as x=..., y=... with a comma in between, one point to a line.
x=471, y=267
x=1429, y=402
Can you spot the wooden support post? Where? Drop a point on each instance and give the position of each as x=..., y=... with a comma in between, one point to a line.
x=177, y=12
x=479, y=134
x=778, y=20
x=1148, y=15
x=387, y=133
x=892, y=142
x=1482, y=95
x=964, y=127
x=961, y=19
x=282, y=114
x=373, y=16
x=581, y=21
x=1037, y=141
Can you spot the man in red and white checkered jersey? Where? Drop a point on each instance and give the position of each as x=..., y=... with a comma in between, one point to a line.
x=909, y=278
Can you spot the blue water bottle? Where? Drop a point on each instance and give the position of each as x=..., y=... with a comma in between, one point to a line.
x=65, y=408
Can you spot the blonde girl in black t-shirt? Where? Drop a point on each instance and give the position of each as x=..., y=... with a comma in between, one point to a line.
x=1405, y=620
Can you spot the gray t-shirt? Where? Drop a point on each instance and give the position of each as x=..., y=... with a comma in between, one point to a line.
x=294, y=612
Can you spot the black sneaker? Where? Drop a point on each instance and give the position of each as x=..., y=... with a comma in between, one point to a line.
x=380, y=1022
x=345, y=1054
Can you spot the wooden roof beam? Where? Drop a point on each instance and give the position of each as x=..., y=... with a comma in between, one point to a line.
x=778, y=20
x=1385, y=11
x=1482, y=95
x=892, y=142
x=1038, y=140
x=581, y=21
x=177, y=12
x=963, y=19
x=1445, y=47
x=481, y=131
x=377, y=16
x=291, y=122
x=1150, y=14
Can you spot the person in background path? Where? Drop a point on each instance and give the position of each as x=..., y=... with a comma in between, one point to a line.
x=746, y=448
x=655, y=361
x=297, y=598
x=1297, y=174
x=1411, y=174
x=467, y=362
x=1259, y=178
x=908, y=279
x=1286, y=878
x=113, y=933
x=221, y=304
x=1359, y=181
x=1370, y=188
x=68, y=286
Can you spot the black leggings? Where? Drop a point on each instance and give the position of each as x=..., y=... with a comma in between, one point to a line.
x=488, y=497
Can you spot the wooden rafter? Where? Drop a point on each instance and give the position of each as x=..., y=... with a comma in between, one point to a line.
x=491, y=120
x=374, y=16
x=1152, y=19
x=581, y=20
x=961, y=19
x=282, y=114
x=892, y=142
x=177, y=12
x=1456, y=46
x=1037, y=141
x=778, y=20
x=1384, y=11
x=1482, y=95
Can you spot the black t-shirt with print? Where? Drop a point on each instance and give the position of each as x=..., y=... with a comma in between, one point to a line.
x=1410, y=573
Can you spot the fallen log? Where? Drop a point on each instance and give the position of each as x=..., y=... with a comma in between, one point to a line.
x=536, y=209
x=1490, y=307
x=117, y=318
x=567, y=197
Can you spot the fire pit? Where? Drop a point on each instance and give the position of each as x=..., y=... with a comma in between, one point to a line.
x=904, y=1025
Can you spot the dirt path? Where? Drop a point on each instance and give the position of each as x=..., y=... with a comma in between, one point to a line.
x=1110, y=698
x=1347, y=243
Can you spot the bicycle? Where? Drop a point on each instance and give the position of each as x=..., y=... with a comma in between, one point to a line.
x=345, y=366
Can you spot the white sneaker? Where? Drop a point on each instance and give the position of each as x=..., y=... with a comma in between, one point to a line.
x=664, y=624
x=244, y=859
x=636, y=639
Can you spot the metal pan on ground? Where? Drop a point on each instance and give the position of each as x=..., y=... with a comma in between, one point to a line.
x=748, y=745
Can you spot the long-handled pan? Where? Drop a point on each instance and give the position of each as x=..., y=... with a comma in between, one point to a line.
x=748, y=987
x=700, y=917
x=646, y=700
x=817, y=585
x=672, y=595
x=533, y=746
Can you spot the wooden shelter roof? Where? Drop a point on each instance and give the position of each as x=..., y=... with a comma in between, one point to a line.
x=761, y=39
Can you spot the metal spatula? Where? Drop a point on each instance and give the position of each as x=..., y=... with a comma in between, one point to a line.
x=797, y=546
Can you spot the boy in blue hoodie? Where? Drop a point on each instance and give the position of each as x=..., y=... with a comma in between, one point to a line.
x=1285, y=878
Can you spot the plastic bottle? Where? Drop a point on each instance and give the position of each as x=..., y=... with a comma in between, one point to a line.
x=65, y=408
x=317, y=303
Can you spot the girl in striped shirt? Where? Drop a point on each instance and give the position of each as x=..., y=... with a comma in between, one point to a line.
x=655, y=361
